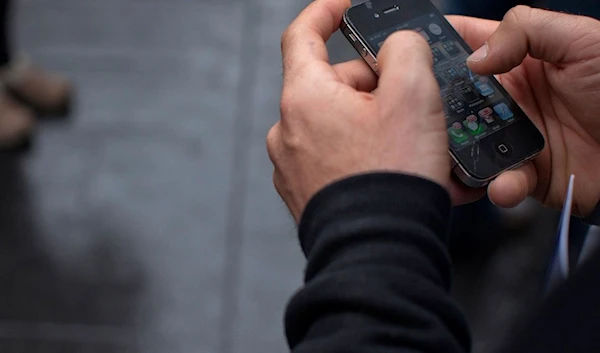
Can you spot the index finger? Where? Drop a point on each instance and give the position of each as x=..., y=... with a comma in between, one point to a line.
x=475, y=31
x=303, y=42
x=549, y=36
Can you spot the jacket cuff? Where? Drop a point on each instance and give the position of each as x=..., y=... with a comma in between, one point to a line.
x=385, y=194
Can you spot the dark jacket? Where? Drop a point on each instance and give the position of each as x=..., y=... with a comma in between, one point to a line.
x=378, y=278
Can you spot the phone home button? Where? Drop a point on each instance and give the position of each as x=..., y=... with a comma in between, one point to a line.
x=503, y=149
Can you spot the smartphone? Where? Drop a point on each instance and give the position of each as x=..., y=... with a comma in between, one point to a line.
x=488, y=133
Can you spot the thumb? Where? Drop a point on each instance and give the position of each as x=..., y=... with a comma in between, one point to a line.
x=512, y=187
x=410, y=105
x=405, y=68
x=545, y=35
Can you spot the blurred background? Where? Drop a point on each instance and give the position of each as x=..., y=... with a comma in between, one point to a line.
x=147, y=220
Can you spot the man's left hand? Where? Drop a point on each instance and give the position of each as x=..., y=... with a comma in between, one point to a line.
x=338, y=121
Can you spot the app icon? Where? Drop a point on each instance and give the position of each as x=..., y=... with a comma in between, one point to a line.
x=437, y=55
x=503, y=111
x=484, y=88
x=435, y=29
x=487, y=115
x=451, y=74
x=423, y=33
x=489, y=119
x=465, y=71
x=485, y=112
x=441, y=82
x=457, y=134
x=452, y=102
x=472, y=125
x=468, y=93
x=451, y=48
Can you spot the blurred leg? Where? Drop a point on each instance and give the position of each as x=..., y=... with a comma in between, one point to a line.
x=47, y=93
x=16, y=122
x=4, y=32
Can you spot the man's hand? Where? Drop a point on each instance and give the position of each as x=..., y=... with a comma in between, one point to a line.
x=332, y=126
x=550, y=64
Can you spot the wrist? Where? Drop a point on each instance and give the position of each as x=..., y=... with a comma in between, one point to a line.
x=386, y=195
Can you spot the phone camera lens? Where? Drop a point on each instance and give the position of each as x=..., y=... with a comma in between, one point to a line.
x=376, y=15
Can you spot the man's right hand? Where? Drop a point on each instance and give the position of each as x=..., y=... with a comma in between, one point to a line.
x=550, y=63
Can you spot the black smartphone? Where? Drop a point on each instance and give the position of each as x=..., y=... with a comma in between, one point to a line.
x=488, y=132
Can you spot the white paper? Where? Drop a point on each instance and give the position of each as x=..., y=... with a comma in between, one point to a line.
x=560, y=268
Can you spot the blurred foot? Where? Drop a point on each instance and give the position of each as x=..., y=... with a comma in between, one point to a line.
x=16, y=125
x=47, y=93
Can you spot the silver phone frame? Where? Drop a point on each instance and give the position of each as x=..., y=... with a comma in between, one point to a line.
x=371, y=59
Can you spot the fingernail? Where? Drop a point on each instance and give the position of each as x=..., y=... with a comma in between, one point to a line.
x=479, y=54
x=488, y=192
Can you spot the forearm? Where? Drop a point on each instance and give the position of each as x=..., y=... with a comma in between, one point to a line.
x=378, y=274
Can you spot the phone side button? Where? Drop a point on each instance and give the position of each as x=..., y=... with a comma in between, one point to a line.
x=364, y=52
x=352, y=37
x=370, y=59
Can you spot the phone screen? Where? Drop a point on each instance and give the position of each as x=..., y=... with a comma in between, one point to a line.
x=474, y=105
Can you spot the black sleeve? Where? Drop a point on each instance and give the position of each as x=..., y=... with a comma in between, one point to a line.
x=378, y=272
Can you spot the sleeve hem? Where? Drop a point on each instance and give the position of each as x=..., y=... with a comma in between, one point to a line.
x=390, y=194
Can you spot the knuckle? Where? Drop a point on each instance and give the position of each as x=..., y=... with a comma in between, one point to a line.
x=284, y=36
x=287, y=103
x=283, y=136
x=291, y=141
x=288, y=35
x=272, y=137
x=516, y=14
x=277, y=182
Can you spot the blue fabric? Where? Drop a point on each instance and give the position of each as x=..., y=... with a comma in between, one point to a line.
x=495, y=9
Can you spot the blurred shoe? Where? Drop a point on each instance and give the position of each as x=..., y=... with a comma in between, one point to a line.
x=17, y=124
x=48, y=94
